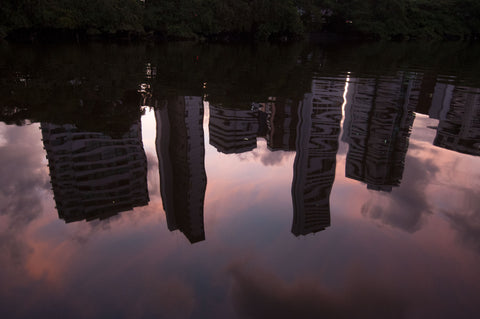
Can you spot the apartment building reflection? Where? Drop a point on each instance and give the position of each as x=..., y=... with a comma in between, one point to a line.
x=379, y=115
x=315, y=161
x=181, y=157
x=459, y=126
x=233, y=130
x=236, y=130
x=457, y=108
x=94, y=175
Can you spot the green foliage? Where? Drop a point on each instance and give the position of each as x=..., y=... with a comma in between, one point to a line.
x=262, y=19
x=105, y=16
x=253, y=19
x=427, y=19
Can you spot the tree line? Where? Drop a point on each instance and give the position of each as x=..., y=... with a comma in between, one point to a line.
x=241, y=19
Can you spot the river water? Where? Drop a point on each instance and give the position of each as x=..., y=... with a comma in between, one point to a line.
x=268, y=181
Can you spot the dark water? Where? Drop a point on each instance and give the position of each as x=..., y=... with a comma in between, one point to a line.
x=204, y=181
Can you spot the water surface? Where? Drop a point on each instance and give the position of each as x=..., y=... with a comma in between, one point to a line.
x=207, y=181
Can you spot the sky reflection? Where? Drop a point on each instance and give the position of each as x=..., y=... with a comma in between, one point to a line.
x=409, y=250
x=402, y=239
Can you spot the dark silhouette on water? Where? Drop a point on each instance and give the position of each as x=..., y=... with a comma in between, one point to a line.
x=94, y=175
x=316, y=144
x=379, y=113
x=378, y=120
x=181, y=160
x=233, y=130
x=459, y=129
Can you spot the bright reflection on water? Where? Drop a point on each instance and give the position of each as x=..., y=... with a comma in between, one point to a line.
x=197, y=181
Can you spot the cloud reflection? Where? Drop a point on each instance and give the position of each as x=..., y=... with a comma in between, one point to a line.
x=263, y=155
x=24, y=179
x=23, y=187
x=467, y=221
x=406, y=206
x=257, y=293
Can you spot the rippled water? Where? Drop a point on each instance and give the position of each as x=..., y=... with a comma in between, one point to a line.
x=206, y=181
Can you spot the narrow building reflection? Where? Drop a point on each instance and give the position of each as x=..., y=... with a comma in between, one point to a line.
x=315, y=161
x=181, y=157
x=441, y=99
x=282, y=123
x=94, y=175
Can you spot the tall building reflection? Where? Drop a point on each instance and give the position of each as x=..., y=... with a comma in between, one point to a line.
x=315, y=161
x=94, y=175
x=379, y=115
x=181, y=157
x=459, y=126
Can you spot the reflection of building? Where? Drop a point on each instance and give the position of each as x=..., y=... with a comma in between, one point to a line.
x=457, y=109
x=378, y=120
x=181, y=156
x=459, y=129
x=282, y=124
x=233, y=130
x=316, y=145
x=441, y=99
x=94, y=175
x=236, y=131
x=426, y=92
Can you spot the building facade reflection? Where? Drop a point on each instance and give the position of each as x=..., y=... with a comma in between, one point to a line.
x=181, y=157
x=457, y=109
x=233, y=130
x=315, y=161
x=282, y=124
x=459, y=127
x=379, y=115
x=94, y=175
x=441, y=99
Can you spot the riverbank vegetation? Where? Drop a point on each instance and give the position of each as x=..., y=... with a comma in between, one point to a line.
x=229, y=20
